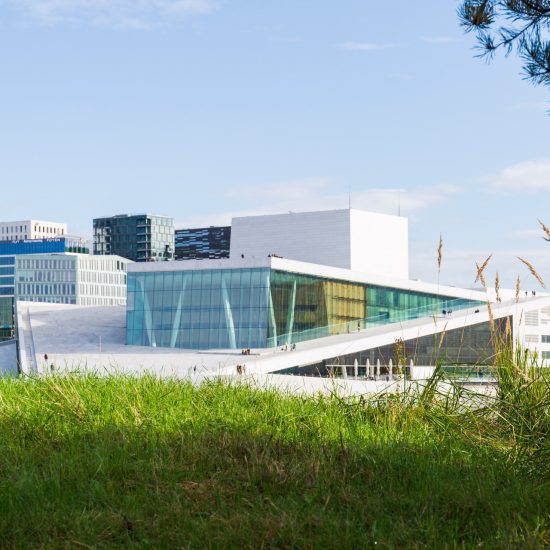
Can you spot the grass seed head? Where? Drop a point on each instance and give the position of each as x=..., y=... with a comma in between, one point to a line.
x=546, y=231
x=480, y=270
x=533, y=271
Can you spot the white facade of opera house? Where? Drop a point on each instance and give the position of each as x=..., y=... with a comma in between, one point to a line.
x=348, y=305
x=289, y=278
x=257, y=299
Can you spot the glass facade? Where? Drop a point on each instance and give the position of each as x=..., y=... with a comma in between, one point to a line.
x=473, y=346
x=44, y=246
x=140, y=238
x=7, y=300
x=7, y=311
x=261, y=307
x=203, y=243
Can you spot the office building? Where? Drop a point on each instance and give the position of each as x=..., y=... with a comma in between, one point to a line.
x=79, y=279
x=31, y=229
x=203, y=243
x=140, y=238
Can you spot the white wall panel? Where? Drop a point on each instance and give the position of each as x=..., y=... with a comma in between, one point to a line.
x=379, y=244
x=351, y=239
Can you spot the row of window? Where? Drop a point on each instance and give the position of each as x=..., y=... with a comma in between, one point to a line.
x=534, y=338
x=52, y=299
x=95, y=264
x=13, y=232
x=46, y=264
x=102, y=290
x=26, y=291
x=57, y=276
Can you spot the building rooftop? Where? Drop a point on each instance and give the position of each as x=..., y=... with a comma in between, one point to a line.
x=133, y=216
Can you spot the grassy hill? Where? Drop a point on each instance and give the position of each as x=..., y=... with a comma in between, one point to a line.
x=110, y=462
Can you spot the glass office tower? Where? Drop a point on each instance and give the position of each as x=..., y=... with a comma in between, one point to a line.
x=261, y=307
x=203, y=243
x=140, y=238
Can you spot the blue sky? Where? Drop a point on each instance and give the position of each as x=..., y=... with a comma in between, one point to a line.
x=202, y=109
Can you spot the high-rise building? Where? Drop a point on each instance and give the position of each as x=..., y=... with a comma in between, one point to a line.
x=31, y=229
x=203, y=243
x=140, y=238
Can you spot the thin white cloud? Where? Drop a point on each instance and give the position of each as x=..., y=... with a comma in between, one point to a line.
x=439, y=39
x=532, y=175
x=318, y=193
x=118, y=14
x=365, y=46
x=525, y=233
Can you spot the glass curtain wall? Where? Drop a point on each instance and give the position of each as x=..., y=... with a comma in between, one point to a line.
x=7, y=300
x=209, y=309
x=258, y=308
x=454, y=350
x=307, y=307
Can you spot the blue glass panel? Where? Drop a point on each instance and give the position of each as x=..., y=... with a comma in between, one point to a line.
x=7, y=260
x=131, y=282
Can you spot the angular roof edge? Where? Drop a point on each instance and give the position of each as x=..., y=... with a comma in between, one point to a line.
x=305, y=268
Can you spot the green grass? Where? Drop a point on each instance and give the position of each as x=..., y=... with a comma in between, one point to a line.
x=111, y=462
